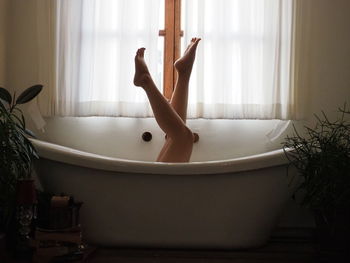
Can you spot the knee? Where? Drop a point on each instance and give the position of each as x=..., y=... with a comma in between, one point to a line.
x=187, y=135
x=183, y=135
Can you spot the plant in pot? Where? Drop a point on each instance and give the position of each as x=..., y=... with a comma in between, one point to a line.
x=16, y=155
x=322, y=158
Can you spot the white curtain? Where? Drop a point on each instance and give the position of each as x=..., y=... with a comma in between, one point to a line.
x=243, y=67
x=96, y=44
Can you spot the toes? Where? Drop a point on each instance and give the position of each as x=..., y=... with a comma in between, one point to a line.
x=197, y=41
x=140, y=52
x=190, y=44
x=194, y=44
x=194, y=41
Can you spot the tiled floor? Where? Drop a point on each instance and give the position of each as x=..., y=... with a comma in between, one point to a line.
x=137, y=256
x=299, y=248
x=285, y=246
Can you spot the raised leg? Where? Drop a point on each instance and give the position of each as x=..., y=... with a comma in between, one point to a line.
x=179, y=99
x=180, y=138
x=183, y=66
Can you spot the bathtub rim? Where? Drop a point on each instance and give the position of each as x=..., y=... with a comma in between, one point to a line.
x=64, y=154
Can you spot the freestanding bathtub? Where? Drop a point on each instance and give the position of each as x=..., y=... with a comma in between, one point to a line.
x=229, y=196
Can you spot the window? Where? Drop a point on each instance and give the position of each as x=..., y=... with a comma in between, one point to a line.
x=243, y=67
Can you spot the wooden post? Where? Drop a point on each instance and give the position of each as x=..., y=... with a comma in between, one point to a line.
x=172, y=43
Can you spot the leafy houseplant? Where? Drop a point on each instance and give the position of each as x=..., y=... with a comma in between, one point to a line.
x=16, y=151
x=322, y=158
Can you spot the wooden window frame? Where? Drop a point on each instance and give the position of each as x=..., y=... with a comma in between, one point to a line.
x=172, y=34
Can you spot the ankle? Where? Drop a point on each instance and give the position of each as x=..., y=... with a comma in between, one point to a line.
x=148, y=83
x=183, y=76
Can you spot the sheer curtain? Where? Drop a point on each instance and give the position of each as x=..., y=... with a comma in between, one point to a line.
x=243, y=67
x=96, y=44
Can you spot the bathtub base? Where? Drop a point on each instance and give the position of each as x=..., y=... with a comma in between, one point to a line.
x=216, y=211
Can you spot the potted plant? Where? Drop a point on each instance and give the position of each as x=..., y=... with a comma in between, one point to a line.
x=16, y=151
x=322, y=158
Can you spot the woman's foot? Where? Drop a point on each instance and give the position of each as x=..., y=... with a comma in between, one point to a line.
x=185, y=63
x=142, y=76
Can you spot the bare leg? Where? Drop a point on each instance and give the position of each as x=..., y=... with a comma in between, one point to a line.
x=183, y=67
x=180, y=143
x=179, y=98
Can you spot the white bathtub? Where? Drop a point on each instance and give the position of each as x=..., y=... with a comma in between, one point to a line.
x=229, y=196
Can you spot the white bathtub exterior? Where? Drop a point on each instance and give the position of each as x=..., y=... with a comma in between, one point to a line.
x=225, y=204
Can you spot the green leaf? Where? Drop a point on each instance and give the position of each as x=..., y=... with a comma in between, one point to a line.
x=23, y=122
x=16, y=118
x=2, y=108
x=29, y=94
x=5, y=95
